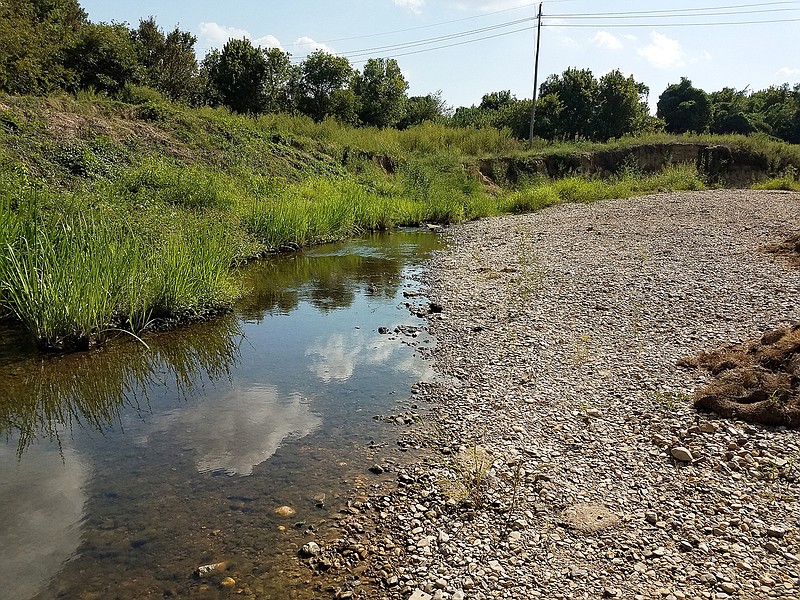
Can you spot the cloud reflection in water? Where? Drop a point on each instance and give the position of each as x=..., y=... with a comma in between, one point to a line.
x=241, y=430
x=42, y=498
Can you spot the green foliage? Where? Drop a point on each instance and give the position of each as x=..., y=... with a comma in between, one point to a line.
x=577, y=89
x=322, y=74
x=238, y=75
x=71, y=272
x=103, y=58
x=381, y=88
x=155, y=180
x=424, y=109
x=621, y=107
x=281, y=78
x=168, y=61
x=684, y=108
x=35, y=36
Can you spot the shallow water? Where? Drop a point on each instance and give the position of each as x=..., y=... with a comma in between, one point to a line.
x=123, y=470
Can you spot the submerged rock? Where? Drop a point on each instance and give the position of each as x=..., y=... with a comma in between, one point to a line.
x=285, y=511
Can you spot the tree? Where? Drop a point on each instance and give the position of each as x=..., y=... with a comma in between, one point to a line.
x=381, y=88
x=321, y=74
x=422, y=109
x=35, y=35
x=497, y=100
x=103, y=58
x=168, y=62
x=548, y=117
x=684, y=108
x=621, y=106
x=280, y=79
x=779, y=108
x=238, y=74
x=577, y=90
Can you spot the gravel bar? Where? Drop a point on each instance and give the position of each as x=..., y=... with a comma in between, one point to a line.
x=557, y=453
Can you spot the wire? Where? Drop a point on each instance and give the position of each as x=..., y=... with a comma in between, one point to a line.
x=371, y=35
x=652, y=16
x=437, y=39
x=433, y=40
x=625, y=25
x=488, y=37
x=674, y=11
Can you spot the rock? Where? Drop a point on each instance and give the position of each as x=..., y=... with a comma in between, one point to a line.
x=728, y=587
x=468, y=583
x=285, y=511
x=207, y=570
x=228, y=582
x=707, y=427
x=310, y=549
x=420, y=595
x=457, y=595
x=682, y=454
x=776, y=532
x=376, y=469
x=651, y=517
x=383, y=330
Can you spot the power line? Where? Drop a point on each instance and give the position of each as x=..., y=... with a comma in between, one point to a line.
x=660, y=25
x=673, y=11
x=433, y=40
x=488, y=37
x=372, y=35
x=670, y=16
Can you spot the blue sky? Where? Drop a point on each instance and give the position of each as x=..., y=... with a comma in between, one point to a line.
x=663, y=47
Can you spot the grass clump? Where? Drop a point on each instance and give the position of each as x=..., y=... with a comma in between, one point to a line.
x=72, y=273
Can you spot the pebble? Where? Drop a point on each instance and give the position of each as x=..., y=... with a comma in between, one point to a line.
x=556, y=353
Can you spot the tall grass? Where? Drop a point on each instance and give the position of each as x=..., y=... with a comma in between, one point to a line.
x=71, y=274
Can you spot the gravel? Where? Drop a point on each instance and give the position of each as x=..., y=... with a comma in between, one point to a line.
x=558, y=454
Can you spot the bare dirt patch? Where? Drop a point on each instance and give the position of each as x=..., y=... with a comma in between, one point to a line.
x=758, y=381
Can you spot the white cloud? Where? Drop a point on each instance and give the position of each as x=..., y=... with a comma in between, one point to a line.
x=217, y=35
x=268, y=41
x=307, y=45
x=412, y=5
x=789, y=73
x=663, y=52
x=604, y=39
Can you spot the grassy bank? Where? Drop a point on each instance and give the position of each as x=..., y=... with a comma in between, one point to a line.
x=117, y=216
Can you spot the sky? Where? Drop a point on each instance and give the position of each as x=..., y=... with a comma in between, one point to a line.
x=491, y=42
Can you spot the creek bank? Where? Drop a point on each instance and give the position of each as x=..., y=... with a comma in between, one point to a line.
x=559, y=399
x=727, y=165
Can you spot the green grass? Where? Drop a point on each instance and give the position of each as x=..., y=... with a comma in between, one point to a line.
x=114, y=214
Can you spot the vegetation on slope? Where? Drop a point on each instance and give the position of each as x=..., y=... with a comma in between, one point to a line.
x=115, y=215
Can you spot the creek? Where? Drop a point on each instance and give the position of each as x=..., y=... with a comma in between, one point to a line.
x=124, y=469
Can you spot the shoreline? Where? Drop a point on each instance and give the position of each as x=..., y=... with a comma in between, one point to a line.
x=547, y=467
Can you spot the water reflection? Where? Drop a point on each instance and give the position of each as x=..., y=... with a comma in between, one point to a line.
x=204, y=434
x=45, y=397
x=240, y=430
x=336, y=357
x=43, y=501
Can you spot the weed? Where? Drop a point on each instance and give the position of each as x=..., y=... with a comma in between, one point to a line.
x=469, y=467
x=669, y=399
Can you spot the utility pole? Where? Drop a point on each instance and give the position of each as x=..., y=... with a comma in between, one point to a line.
x=536, y=71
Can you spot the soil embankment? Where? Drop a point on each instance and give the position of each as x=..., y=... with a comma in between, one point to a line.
x=562, y=455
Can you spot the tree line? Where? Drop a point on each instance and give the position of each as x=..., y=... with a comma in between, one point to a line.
x=51, y=46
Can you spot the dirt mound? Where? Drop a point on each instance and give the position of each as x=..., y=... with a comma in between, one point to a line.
x=790, y=249
x=758, y=381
